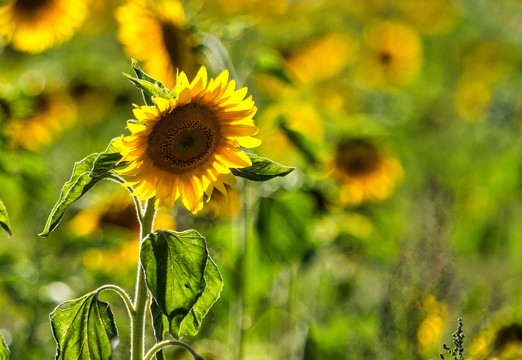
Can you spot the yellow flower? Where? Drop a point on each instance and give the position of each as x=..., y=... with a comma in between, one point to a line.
x=53, y=113
x=155, y=33
x=34, y=26
x=431, y=17
x=185, y=147
x=365, y=172
x=392, y=56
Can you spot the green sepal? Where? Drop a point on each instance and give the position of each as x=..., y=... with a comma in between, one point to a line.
x=262, y=169
x=4, y=349
x=149, y=86
x=84, y=329
x=182, y=278
x=86, y=173
x=4, y=219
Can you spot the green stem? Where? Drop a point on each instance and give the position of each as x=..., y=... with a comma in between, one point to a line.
x=142, y=293
x=123, y=295
x=167, y=343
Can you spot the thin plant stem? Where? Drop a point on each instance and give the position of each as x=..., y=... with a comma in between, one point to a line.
x=167, y=343
x=142, y=294
x=123, y=295
x=136, y=199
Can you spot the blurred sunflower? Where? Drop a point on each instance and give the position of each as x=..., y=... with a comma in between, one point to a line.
x=333, y=51
x=223, y=207
x=391, y=56
x=52, y=113
x=430, y=17
x=34, y=26
x=365, y=172
x=431, y=328
x=185, y=147
x=156, y=33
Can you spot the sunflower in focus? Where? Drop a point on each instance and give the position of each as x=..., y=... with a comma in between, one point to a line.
x=156, y=33
x=185, y=147
x=34, y=26
x=392, y=56
x=366, y=174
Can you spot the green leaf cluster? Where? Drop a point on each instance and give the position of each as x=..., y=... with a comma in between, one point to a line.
x=262, y=169
x=4, y=219
x=4, y=349
x=149, y=86
x=182, y=278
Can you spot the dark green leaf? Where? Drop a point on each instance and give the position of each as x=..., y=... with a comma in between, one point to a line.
x=190, y=325
x=262, y=169
x=4, y=219
x=160, y=324
x=305, y=147
x=174, y=265
x=84, y=329
x=86, y=173
x=4, y=349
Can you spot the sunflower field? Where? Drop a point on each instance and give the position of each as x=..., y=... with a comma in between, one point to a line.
x=261, y=179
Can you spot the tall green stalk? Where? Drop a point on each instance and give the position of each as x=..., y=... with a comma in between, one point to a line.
x=142, y=294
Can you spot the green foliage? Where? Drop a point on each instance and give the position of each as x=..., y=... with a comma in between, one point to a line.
x=84, y=329
x=182, y=278
x=86, y=173
x=4, y=349
x=4, y=219
x=149, y=86
x=160, y=325
x=262, y=169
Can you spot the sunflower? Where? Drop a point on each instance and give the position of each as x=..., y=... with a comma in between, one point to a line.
x=34, y=26
x=392, y=55
x=155, y=33
x=365, y=172
x=184, y=147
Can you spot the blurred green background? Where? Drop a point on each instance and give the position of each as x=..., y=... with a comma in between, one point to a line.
x=403, y=119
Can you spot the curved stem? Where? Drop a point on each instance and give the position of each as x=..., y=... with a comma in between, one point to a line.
x=166, y=343
x=123, y=295
x=142, y=293
x=136, y=199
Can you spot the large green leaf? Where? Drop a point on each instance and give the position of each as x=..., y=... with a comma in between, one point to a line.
x=175, y=265
x=86, y=173
x=191, y=323
x=262, y=169
x=84, y=329
x=4, y=349
x=4, y=219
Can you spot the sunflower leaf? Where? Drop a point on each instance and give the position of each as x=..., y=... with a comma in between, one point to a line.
x=4, y=219
x=142, y=75
x=160, y=324
x=149, y=86
x=178, y=277
x=4, y=349
x=86, y=173
x=262, y=169
x=84, y=329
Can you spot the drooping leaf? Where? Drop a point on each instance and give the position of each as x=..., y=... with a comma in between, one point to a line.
x=174, y=265
x=4, y=349
x=191, y=323
x=86, y=173
x=262, y=169
x=4, y=219
x=302, y=144
x=149, y=86
x=160, y=325
x=84, y=329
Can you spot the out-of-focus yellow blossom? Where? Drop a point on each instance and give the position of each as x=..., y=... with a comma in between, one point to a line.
x=473, y=98
x=53, y=113
x=430, y=17
x=480, y=345
x=34, y=26
x=155, y=32
x=391, y=55
x=365, y=173
x=322, y=59
x=223, y=207
x=431, y=328
x=294, y=115
x=116, y=211
x=258, y=9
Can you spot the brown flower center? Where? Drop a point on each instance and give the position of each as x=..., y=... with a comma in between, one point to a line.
x=30, y=5
x=357, y=157
x=385, y=57
x=184, y=139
